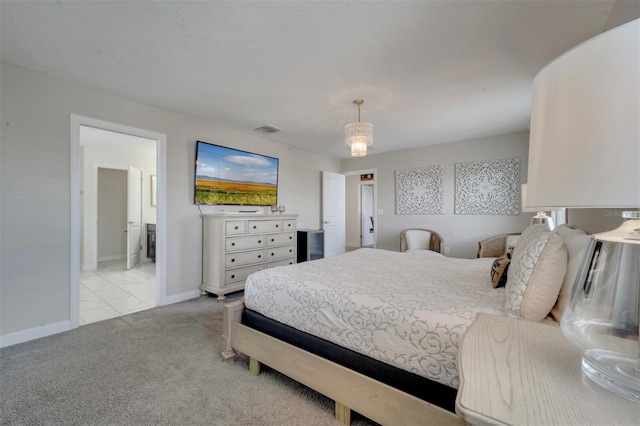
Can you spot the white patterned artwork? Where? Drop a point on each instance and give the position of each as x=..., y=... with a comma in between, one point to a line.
x=419, y=191
x=488, y=187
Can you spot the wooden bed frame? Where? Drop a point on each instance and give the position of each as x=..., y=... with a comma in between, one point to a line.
x=350, y=390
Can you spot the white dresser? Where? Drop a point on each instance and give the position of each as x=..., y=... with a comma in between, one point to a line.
x=237, y=245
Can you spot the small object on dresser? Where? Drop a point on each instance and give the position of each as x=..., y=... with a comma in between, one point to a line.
x=274, y=209
x=281, y=208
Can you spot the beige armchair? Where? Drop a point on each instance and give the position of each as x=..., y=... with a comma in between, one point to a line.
x=497, y=245
x=421, y=239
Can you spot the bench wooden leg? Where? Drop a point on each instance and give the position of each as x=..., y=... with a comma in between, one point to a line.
x=254, y=366
x=343, y=413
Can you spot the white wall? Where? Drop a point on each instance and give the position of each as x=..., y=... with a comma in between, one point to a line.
x=460, y=232
x=35, y=222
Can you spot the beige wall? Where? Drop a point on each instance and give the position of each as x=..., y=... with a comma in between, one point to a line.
x=623, y=11
x=35, y=161
x=460, y=232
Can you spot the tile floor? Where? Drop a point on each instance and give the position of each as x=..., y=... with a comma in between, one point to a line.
x=111, y=290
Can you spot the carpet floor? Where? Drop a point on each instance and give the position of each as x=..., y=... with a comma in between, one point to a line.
x=161, y=366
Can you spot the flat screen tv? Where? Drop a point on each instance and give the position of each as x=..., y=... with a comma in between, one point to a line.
x=227, y=176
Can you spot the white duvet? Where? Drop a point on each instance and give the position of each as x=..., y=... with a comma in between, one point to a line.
x=405, y=309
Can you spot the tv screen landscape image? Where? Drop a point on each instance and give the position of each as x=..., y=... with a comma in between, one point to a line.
x=227, y=176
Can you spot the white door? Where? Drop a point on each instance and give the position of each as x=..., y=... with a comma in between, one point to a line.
x=333, y=213
x=366, y=219
x=134, y=216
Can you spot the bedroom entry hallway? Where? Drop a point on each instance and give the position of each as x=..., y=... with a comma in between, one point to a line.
x=360, y=209
x=118, y=253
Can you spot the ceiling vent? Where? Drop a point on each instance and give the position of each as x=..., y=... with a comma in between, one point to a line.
x=267, y=129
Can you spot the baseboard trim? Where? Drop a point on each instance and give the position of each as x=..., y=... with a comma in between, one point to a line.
x=34, y=333
x=169, y=300
x=62, y=326
x=114, y=257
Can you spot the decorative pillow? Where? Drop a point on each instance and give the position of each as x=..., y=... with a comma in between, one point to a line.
x=576, y=241
x=499, y=270
x=535, y=275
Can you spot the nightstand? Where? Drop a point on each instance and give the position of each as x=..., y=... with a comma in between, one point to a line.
x=519, y=372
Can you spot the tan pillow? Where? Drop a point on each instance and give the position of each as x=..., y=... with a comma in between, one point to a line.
x=499, y=271
x=535, y=275
x=576, y=241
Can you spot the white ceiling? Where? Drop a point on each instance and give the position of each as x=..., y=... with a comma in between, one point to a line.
x=430, y=72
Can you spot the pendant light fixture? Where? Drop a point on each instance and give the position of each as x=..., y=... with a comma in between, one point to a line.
x=358, y=136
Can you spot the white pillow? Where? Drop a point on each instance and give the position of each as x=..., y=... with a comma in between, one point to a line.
x=576, y=241
x=535, y=275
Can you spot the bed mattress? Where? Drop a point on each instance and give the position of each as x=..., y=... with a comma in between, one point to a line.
x=404, y=309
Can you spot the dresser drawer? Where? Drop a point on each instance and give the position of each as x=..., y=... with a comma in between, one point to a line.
x=235, y=227
x=283, y=262
x=245, y=243
x=244, y=258
x=277, y=253
x=241, y=274
x=289, y=225
x=264, y=226
x=280, y=239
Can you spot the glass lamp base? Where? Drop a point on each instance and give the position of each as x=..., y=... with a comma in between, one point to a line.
x=613, y=371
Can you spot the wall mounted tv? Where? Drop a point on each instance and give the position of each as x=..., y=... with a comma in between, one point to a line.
x=227, y=176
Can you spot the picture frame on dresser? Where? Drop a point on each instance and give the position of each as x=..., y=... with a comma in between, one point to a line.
x=236, y=245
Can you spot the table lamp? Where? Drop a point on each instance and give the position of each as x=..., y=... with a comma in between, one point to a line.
x=584, y=152
x=541, y=215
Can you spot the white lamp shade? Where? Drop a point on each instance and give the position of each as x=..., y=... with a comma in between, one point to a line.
x=527, y=209
x=584, y=148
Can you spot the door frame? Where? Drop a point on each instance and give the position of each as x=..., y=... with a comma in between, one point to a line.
x=76, y=201
x=376, y=226
x=131, y=202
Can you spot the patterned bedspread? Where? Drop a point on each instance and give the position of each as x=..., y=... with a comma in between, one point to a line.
x=405, y=309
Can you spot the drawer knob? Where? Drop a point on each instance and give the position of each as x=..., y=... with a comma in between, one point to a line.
x=273, y=239
x=291, y=238
x=254, y=226
x=233, y=275
x=259, y=241
x=236, y=227
x=233, y=260
x=290, y=250
x=273, y=254
x=289, y=225
x=277, y=226
x=259, y=256
x=233, y=244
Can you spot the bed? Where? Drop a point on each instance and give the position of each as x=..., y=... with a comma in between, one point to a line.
x=376, y=331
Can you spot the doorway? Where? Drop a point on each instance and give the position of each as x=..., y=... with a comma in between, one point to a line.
x=367, y=224
x=115, y=169
x=361, y=211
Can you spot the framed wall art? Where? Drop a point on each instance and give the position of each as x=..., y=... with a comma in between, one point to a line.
x=420, y=190
x=488, y=187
